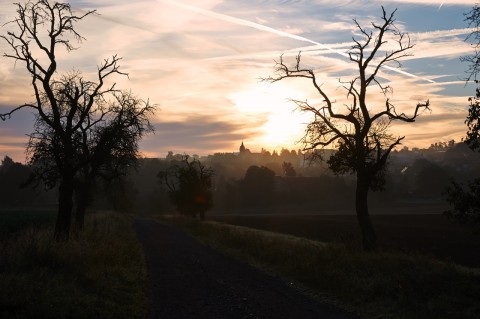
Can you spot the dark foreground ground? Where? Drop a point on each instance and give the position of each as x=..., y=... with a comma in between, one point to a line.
x=189, y=280
x=431, y=234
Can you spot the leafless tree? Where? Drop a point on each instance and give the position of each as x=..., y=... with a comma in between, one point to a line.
x=465, y=199
x=105, y=145
x=361, y=136
x=473, y=60
x=70, y=110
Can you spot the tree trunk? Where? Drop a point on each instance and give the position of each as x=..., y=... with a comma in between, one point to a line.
x=80, y=216
x=65, y=204
x=82, y=203
x=369, y=238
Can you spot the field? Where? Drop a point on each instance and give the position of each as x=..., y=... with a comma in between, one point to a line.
x=431, y=234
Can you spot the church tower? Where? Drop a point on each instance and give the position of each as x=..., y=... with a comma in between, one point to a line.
x=242, y=148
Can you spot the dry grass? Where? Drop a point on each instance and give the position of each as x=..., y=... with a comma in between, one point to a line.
x=101, y=274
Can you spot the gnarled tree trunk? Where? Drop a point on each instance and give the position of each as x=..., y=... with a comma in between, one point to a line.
x=369, y=238
x=65, y=205
x=82, y=201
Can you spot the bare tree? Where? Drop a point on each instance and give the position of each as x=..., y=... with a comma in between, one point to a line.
x=105, y=146
x=110, y=147
x=465, y=199
x=473, y=60
x=473, y=119
x=69, y=109
x=360, y=135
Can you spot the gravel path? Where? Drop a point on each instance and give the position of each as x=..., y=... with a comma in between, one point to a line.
x=190, y=280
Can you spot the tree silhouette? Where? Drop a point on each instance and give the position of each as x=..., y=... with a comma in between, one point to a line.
x=106, y=144
x=473, y=19
x=465, y=202
x=13, y=178
x=257, y=186
x=472, y=121
x=74, y=116
x=288, y=169
x=473, y=136
x=189, y=184
x=430, y=178
x=360, y=135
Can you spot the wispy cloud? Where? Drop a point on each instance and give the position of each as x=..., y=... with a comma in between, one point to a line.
x=201, y=62
x=199, y=134
x=435, y=2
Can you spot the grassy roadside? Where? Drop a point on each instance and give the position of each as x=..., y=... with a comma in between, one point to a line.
x=14, y=220
x=378, y=285
x=99, y=275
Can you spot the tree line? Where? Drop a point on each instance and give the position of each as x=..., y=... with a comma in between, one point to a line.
x=256, y=183
x=260, y=181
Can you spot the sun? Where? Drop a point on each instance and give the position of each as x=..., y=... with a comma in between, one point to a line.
x=283, y=128
x=271, y=104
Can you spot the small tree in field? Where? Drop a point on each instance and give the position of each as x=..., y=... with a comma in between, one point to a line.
x=74, y=116
x=360, y=135
x=288, y=169
x=189, y=184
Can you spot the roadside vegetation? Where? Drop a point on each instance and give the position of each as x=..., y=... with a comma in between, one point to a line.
x=16, y=219
x=375, y=284
x=99, y=274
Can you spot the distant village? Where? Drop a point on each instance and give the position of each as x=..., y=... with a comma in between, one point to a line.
x=414, y=176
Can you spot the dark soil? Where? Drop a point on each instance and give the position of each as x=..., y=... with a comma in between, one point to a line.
x=190, y=280
x=431, y=234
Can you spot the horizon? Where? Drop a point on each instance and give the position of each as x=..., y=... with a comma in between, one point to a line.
x=219, y=51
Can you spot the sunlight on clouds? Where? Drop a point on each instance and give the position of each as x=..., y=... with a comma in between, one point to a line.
x=283, y=129
x=283, y=126
x=205, y=58
x=13, y=146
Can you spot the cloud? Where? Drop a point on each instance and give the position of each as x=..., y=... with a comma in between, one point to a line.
x=435, y=2
x=12, y=144
x=198, y=134
x=199, y=63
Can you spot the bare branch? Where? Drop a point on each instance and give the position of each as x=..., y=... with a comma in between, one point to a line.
x=8, y=115
x=362, y=133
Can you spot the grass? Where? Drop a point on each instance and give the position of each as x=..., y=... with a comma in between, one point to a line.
x=14, y=220
x=100, y=274
x=377, y=285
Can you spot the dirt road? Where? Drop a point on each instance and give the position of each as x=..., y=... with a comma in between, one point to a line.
x=190, y=280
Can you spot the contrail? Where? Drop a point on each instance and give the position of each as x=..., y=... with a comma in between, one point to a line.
x=250, y=24
x=261, y=27
x=143, y=27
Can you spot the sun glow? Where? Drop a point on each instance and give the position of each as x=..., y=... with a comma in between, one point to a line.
x=271, y=104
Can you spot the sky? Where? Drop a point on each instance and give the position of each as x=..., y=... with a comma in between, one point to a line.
x=202, y=63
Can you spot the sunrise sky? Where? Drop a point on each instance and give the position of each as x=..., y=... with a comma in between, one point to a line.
x=201, y=62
